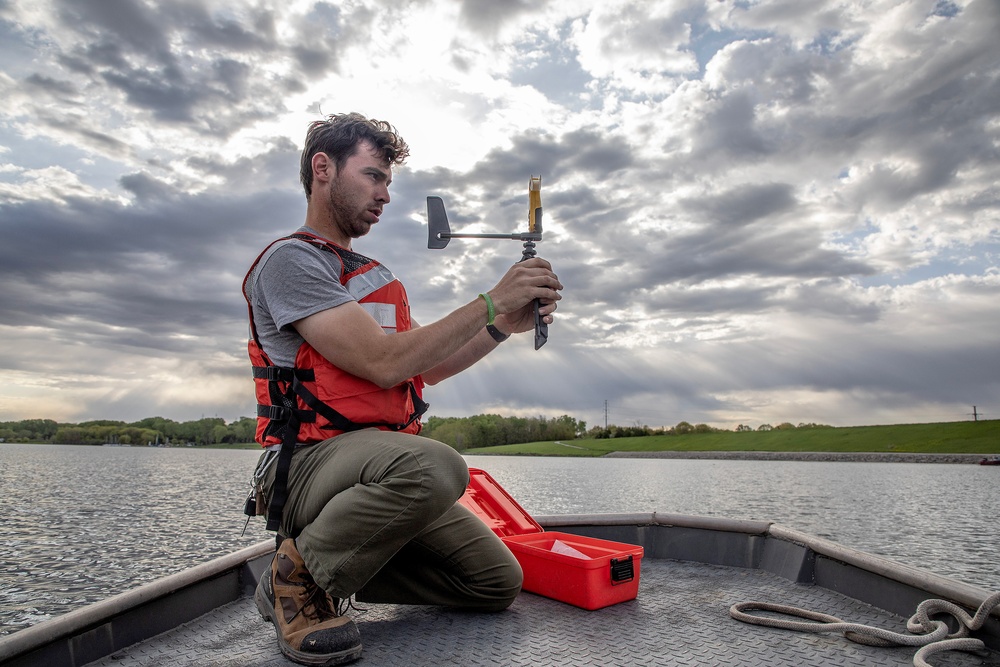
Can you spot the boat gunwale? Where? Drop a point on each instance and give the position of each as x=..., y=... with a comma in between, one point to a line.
x=80, y=620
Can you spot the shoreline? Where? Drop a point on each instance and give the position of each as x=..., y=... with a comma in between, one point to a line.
x=854, y=457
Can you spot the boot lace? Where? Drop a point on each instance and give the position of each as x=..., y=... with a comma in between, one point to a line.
x=348, y=603
x=317, y=604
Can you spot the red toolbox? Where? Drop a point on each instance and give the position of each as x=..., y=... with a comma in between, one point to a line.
x=582, y=571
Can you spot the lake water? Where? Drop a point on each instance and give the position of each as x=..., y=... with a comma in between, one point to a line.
x=84, y=523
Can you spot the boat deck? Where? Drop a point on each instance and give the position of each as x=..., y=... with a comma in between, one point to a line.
x=680, y=617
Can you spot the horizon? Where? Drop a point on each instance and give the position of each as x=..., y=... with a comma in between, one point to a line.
x=796, y=424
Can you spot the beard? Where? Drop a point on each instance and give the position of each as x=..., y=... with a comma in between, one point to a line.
x=345, y=213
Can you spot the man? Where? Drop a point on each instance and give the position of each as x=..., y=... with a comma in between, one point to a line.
x=361, y=504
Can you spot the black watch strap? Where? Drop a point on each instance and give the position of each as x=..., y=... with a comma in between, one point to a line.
x=498, y=335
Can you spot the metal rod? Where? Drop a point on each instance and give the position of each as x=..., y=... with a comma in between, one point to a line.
x=514, y=237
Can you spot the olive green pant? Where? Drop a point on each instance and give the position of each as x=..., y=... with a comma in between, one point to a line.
x=374, y=514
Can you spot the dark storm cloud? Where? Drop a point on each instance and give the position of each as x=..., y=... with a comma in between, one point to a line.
x=715, y=252
x=590, y=151
x=315, y=49
x=487, y=16
x=74, y=128
x=743, y=205
x=740, y=230
x=257, y=35
x=927, y=109
x=141, y=272
x=277, y=168
x=893, y=364
x=145, y=188
x=748, y=232
x=113, y=22
x=184, y=65
x=54, y=87
x=680, y=299
x=729, y=129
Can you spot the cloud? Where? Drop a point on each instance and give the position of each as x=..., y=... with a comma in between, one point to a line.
x=637, y=46
x=761, y=212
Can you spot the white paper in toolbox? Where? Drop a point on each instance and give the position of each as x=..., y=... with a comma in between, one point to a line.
x=561, y=547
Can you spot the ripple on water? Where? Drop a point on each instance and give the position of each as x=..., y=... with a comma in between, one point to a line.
x=96, y=521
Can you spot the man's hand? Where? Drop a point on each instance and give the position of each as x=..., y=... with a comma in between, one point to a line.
x=514, y=296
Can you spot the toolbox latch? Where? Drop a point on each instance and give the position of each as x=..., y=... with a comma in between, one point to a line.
x=622, y=570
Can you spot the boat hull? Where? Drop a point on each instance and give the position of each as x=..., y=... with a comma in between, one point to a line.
x=705, y=550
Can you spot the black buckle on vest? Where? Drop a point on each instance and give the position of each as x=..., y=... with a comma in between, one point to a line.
x=275, y=413
x=273, y=373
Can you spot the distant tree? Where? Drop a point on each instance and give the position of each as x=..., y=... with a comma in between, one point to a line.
x=487, y=430
x=244, y=429
x=148, y=430
x=69, y=435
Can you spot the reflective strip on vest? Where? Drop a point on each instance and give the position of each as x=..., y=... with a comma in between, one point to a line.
x=368, y=280
x=384, y=314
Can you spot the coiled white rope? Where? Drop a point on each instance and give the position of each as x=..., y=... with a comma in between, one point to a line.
x=934, y=638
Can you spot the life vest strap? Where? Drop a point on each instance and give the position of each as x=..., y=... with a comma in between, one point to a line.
x=283, y=374
x=279, y=492
x=281, y=414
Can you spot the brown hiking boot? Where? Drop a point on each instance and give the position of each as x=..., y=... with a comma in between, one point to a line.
x=310, y=629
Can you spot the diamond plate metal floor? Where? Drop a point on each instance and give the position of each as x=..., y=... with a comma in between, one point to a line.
x=679, y=618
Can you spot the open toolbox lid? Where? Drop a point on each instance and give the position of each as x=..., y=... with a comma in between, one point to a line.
x=496, y=507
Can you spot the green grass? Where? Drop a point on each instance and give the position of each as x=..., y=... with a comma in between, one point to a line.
x=982, y=437
x=235, y=445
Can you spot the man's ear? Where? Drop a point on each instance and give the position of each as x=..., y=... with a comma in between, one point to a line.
x=323, y=167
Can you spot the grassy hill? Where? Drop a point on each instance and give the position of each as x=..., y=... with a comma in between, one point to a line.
x=982, y=437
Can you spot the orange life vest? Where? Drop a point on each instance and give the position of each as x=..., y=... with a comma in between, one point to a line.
x=317, y=400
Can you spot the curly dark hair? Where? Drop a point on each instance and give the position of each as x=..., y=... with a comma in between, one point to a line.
x=339, y=135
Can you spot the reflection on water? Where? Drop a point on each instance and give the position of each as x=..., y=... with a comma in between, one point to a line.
x=84, y=523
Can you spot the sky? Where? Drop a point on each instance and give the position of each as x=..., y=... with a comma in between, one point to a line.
x=761, y=211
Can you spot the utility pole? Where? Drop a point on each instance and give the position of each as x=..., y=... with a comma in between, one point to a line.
x=975, y=415
x=605, y=414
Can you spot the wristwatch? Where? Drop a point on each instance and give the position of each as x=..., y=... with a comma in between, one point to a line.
x=498, y=335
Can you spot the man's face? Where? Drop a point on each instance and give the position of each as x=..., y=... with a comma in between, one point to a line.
x=359, y=191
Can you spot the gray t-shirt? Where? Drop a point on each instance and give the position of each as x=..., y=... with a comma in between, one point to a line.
x=294, y=279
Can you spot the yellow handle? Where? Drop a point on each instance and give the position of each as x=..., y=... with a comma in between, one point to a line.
x=534, y=202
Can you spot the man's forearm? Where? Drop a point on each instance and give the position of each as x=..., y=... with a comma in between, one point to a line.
x=467, y=355
x=351, y=340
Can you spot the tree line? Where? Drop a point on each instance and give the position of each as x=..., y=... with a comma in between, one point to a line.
x=485, y=430
x=491, y=430
x=459, y=432
x=148, y=431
